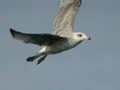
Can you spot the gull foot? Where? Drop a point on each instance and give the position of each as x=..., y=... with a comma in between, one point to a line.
x=41, y=59
x=30, y=59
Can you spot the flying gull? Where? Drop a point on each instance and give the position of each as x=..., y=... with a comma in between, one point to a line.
x=63, y=38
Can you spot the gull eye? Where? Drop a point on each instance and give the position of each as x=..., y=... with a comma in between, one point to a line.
x=80, y=35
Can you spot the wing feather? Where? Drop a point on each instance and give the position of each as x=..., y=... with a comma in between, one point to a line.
x=38, y=39
x=66, y=15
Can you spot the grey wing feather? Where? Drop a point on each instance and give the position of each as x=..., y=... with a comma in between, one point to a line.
x=38, y=39
x=63, y=24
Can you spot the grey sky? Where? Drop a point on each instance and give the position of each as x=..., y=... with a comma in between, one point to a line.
x=93, y=65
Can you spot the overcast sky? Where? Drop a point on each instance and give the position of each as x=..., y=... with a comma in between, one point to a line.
x=93, y=65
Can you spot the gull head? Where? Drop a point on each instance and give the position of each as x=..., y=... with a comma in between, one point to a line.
x=81, y=36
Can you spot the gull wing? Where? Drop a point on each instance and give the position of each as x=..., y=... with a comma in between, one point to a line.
x=63, y=24
x=38, y=39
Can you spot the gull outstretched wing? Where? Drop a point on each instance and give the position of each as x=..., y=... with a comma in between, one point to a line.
x=63, y=24
x=38, y=39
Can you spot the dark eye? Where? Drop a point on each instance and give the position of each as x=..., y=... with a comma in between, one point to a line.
x=80, y=35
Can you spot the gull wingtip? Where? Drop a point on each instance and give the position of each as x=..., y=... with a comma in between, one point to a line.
x=12, y=31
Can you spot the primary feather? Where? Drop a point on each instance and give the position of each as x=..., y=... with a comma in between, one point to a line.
x=63, y=24
x=38, y=39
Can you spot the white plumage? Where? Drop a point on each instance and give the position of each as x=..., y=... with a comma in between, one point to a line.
x=63, y=37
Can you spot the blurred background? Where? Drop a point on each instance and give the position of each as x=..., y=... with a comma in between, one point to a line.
x=93, y=65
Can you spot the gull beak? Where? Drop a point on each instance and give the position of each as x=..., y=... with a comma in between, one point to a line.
x=89, y=38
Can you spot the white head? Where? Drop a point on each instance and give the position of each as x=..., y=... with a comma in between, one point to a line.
x=79, y=36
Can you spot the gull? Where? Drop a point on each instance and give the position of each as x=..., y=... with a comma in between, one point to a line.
x=63, y=38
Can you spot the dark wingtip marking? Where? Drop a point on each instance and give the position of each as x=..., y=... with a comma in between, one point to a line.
x=12, y=31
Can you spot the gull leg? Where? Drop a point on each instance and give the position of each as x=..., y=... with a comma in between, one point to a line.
x=41, y=59
x=40, y=53
x=31, y=59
